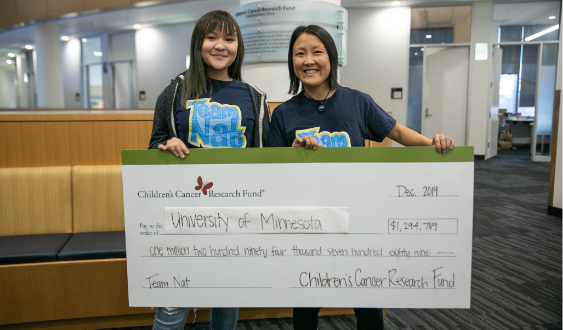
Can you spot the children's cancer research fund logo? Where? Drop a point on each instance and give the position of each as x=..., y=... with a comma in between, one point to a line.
x=215, y=125
x=203, y=186
x=335, y=139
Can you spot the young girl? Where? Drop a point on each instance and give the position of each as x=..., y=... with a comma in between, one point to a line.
x=325, y=114
x=208, y=106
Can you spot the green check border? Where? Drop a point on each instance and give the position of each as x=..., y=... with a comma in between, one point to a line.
x=298, y=155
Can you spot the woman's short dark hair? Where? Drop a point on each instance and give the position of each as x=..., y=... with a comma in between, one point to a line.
x=328, y=42
x=196, y=81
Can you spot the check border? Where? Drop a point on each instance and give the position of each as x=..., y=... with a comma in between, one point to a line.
x=298, y=155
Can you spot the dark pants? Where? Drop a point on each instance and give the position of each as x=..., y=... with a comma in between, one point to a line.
x=308, y=318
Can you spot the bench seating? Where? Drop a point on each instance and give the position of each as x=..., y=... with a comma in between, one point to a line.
x=31, y=248
x=35, y=213
x=97, y=214
x=87, y=246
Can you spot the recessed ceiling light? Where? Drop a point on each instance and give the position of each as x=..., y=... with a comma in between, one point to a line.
x=28, y=47
x=428, y=36
x=65, y=38
x=421, y=49
x=416, y=53
x=145, y=3
x=541, y=33
x=11, y=55
x=84, y=40
x=395, y=3
x=9, y=61
x=138, y=26
x=97, y=53
x=69, y=15
x=551, y=17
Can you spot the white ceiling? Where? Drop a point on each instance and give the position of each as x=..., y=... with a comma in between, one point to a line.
x=98, y=22
x=526, y=13
x=438, y=17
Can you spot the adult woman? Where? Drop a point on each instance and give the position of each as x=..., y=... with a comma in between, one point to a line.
x=211, y=108
x=326, y=114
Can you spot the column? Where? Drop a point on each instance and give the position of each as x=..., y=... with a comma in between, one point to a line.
x=271, y=77
x=48, y=69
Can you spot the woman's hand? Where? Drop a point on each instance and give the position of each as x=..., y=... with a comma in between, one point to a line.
x=307, y=142
x=176, y=146
x=442, y=143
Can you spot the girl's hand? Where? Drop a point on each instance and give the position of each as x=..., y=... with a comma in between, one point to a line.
x=175, y=146
x=307, y=142
x=443, y=143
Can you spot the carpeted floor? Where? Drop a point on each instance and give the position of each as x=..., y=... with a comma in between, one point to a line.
x=516, y=279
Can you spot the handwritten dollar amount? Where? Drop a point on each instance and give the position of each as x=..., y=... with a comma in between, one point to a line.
x=423, y=226
x=413, y=226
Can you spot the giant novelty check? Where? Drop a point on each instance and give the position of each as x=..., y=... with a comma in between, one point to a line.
x=335, y=227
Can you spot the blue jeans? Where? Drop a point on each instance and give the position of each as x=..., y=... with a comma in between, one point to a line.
x=175, y=318
x=308, y=318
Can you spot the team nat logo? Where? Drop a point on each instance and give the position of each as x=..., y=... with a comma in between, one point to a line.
x=215, y=125
x=203, y=186
x=335, y=139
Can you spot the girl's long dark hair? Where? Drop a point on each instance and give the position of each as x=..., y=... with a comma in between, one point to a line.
x=196, y=81
x=332, y=52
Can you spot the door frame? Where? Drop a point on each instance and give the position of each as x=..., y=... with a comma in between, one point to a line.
x=422, y=110
x=536, y=101
x=109, y=66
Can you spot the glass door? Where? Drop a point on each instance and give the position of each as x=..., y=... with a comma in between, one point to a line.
x=123, y=83
x=528, y=33
x=526, y=95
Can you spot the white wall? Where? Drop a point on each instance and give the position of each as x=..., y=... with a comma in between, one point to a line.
x=70, y=62
x=479, y=75
x=378, y=55
x=7, y=88
x=161, y=55
x=122, y=46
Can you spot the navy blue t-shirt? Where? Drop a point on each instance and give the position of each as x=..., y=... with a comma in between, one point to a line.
x=224, y=120
x=350, y=117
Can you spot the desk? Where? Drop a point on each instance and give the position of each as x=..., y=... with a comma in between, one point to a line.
x=520, y=128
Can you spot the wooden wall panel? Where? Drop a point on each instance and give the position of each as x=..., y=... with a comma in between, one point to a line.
x=103, y=4
x=30, y=10
x=68, y=143
x=87, y=289
x=385, y=143
x=64, y=290
x=8, y=13
x=16, y=11
x=137, y=1
x=273, y=106
x=57, y=8
x=97, y=199
x=68, y=138
x=35, y=201
x=554, y=150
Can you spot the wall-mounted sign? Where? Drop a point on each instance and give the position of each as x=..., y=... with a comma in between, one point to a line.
x=397, y=93
x=266, y=27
